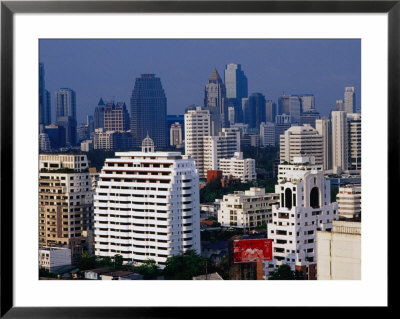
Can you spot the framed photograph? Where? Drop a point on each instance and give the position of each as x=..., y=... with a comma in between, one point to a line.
x=292, y=45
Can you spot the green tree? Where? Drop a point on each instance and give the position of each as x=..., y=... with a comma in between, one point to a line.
x=284, y=272
x=149, y=269
x=87, y=261
x=118, y=261
x=184, y=266
x=104, y=261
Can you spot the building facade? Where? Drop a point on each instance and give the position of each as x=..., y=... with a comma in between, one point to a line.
x=339, y=140
x=323, y=126
x=65, y=202
x=301, y=141
x=349, y=101
x=149, y=111
x=349, y=201
x=214, y=101
x=175, y=135
x=304, y=208
x=239, y=167
x=236, y=89
x=147, y=206
x=267, y=134
x=247, y=209
x=354, y=140
x=54, y=258
x=197, y=126
x=339, y=252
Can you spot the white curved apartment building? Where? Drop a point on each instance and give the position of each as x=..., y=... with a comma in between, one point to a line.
x=147, y=206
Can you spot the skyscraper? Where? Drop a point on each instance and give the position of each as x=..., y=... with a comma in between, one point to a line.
x=339, y=140
x=254, y=110
x=354, y=140
x=66, y=114
x=236, y=88
x=323, y=126
x=214, y=96
x=66, y=103
x=149, y=110
x=307, y=102
x=290, y=105
x=270, y=111
x=44, y=99
x=349, y=100
x=116, y=117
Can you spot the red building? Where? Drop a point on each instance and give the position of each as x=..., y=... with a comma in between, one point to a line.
x=213, y=175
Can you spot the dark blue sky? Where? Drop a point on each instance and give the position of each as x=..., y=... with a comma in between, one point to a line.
x=108, y=68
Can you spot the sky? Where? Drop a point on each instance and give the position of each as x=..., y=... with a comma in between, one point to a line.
x=97, y=68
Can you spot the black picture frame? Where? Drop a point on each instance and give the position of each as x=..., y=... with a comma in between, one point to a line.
x=9, y=8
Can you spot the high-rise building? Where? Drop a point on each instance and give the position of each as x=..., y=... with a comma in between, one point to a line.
x=349, y=201
x=300, y=141
x=99, y=114
x=354, y=137
x=309, y=117
x=69, y=131
x=247, y=209
x=290, y=105
x=254, y=110
x=339, y=251
x=197, y=125
x=267, y=134
x=339, y=105
x=236, y=88
x=222, y=146
x=307, y=102
x=112, y=140
x=270, y=111
x=238, y=167
x=149, y=111
x=66, y=103
x=44, y=143
x=214, y=96
x=305, y=208
x=44, y=99
x=116, y=117
x=339, y=140
x=323, y=126
x=176, y=135
x=282, y=123
x=349, y=100
x=66, y=114
x=65, y=202
x=147, y=206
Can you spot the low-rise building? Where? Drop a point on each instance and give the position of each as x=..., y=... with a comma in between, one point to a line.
x=247, y=209
x=239, y=167
x=54, y=259
x=339, y=252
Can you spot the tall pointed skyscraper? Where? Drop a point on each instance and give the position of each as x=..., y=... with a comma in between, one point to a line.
x=236, y=89
x=149, y=111
x=214, y=96
x=44, y=99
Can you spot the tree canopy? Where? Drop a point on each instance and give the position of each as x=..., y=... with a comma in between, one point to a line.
x=184, y=266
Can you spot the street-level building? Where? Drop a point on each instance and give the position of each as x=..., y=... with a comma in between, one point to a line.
x=304, y=208
x=239, y=167
x=147, y=206
x=54, y=258
x=247, y=209
x=339, y=252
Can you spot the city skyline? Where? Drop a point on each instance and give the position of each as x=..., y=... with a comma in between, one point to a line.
x=107, y=69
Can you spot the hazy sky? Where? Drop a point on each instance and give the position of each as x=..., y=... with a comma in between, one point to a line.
x=108, y=68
